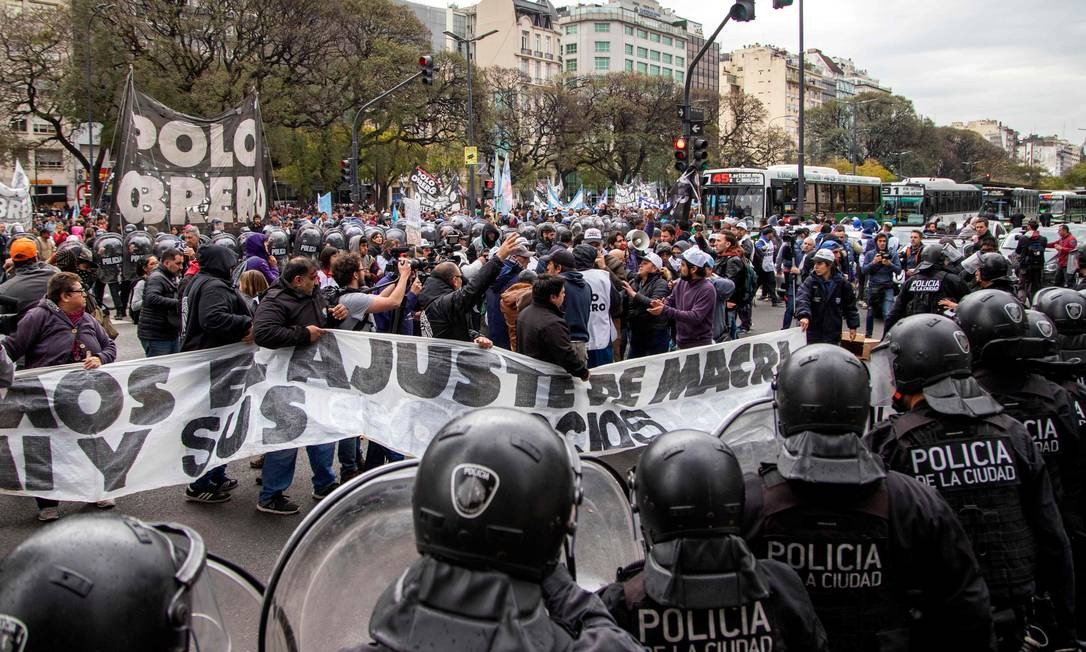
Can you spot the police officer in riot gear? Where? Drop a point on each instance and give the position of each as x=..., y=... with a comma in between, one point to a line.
x=951, y=435
x=495, y=499
x=994, y=271
x=109, y=582
x=689, y=491
x=883, y=557
x=928, y=289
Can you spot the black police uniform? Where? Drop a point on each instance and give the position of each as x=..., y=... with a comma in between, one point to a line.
x=993, y=477
x=923, y=291
x=887, y=565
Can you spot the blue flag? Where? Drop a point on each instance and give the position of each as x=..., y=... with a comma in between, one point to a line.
x=324, y=203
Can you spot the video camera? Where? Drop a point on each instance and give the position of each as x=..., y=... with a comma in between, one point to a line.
x=419, y=267
x=9, y=318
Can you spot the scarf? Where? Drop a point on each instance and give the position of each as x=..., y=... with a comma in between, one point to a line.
x=77, y=347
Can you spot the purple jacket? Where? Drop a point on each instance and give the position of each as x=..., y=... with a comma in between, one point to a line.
x=257, y=257
x=44, y=338
x=691, y=306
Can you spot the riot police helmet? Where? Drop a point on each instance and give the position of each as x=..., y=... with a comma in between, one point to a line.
x=336, y=239
x=497, y=488
x=307, y=242
x=687, y=484
x=547, y=227
x=129, y=228
x=228, y=240
x=998, y=330
x=993, y=267
x=1065, y=308
x=278, y=243
x=109, y=582
x=932, y=256
x=397, y=234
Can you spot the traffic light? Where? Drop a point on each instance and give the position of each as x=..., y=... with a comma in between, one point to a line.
x=743, y=11
x=680, y=154
x=426, y=65
x=781, y=4
x=488, y=189
x=345, y=170
x=700, y=153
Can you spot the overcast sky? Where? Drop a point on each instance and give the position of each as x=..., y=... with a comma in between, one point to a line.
x=1019, y=61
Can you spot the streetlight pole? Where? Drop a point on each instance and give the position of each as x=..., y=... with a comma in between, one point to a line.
x=468, y=43
x=800, y=190
x=852, y=129
x=92, y=178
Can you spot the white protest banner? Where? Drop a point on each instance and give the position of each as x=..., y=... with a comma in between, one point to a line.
x=15, y=203
x=71, y=434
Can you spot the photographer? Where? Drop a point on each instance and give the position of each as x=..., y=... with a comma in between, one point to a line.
x=404, y=321
x=880, y=265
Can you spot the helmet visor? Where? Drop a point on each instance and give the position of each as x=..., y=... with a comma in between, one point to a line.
x=881, y=369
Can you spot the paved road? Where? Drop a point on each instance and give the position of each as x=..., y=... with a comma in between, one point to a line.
x=234, y=530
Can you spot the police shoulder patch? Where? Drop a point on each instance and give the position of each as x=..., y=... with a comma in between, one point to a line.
x=1014, y=311
x=13, y=634
x=1074, y=311
x=963, y=341
x=473, y=488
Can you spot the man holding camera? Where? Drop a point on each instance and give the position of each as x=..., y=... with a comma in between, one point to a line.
x=880, y=264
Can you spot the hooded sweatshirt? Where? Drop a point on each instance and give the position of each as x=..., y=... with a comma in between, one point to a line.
x=577, y=306
x=213, y=313
x=256, y=257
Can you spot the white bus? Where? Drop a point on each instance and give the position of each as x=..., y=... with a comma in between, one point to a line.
x=1064, y=206
x=759, y=193
x=1004, y=202
x=917, y=201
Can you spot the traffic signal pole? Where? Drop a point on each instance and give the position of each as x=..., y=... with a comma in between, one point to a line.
x=355, y=195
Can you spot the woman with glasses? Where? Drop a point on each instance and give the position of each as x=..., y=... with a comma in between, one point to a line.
x=59, y=331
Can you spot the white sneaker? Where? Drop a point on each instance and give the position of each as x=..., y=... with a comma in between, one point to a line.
x=48, y=514
x=105, y=504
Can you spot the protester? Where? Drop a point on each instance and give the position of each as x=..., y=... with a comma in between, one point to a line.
x=578, y=300
x=59, y=331
x=649, y=334
x=824, y=300
x=880, y=265
x=29, y=277
x=255, y=250
x=691, y=301
x=605, y=304
x=1031, y=261
x=160, y=316
x=516, y=297
x=252, y=284
x=144, y=267
x=514, y=264
x=1066, y=247
x=542, y=330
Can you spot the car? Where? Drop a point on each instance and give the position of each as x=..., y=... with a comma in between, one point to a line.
x=1010, y=243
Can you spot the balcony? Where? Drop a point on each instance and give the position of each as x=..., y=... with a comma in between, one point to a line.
x=548, y=56
x=538, y=54
x=526, y=51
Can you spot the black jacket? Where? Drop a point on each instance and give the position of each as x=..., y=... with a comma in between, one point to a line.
x=283, y=314
x=160, y=317
x=27, y=284
x=637, y=306
x=447, y=311
x=543, y=334
x=827, y=304
x=213, y=313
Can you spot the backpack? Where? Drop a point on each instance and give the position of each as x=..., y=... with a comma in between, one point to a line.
x=750, y=282
x=331, y=295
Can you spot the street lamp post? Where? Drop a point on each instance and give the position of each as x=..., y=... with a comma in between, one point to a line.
x=92, y=178
x=852, y=129
x=467, y=43
x=800, y=190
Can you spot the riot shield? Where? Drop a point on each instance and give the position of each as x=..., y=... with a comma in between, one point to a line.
x=307, y=242
x=751, y=431
x=278, y=243
x=360, y=539
x=239, y=596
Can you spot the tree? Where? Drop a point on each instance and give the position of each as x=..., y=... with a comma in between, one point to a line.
x=745, y=138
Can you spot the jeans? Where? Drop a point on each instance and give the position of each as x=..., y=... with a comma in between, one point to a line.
x=349, y=451
x=599, y=357
x=650, y=342
x=881, y=297
x=790, y=282
x=209, y=480
x=746, y=314
x=278, y=471
x=153, y=348
x=376, y=455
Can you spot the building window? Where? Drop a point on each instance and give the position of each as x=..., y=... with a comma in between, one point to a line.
x=642, y=34
x=525, y=44
x=679, y=75
x=603, y=63
x=603, y=27
x=642, y=67
x=538, y=71
x=667, y=57
x=524, y=67
x=679, y=43
x=643, y=53
x=571, y=48
x=667, y=40
x=654, y=37
x=18, y=125
x=654, y=70
x=48, y=159
x=679, y=61
x=629, y=65
x=571, y=65
x=628, y=30
x=654, y=55
x=571, y=29
x=547, y=41
x=42, y=127
x=665, y=72
x=603, y=46
x=629, y=49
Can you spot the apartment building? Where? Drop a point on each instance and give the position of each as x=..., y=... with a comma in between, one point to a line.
x=995, y=132
x=1053, y=153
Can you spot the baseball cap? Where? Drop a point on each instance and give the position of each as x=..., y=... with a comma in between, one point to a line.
x=593, y=235
x=23, y=249
x=563, y=258
x=654, y=259
x=697, y=257
x=742, y=224
x=825, y=255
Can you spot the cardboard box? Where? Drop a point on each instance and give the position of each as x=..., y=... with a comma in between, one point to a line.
x=860, y=347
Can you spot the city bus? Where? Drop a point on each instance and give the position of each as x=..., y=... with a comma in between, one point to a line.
x=1004, y=202
x=919, y=200
x=1064, y=205
x=758, y=193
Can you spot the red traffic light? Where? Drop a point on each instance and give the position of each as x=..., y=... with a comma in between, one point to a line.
x=680, y=143
x=425, y=61
x=344, y=163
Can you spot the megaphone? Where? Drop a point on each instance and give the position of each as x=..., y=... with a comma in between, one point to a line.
x=638, y=239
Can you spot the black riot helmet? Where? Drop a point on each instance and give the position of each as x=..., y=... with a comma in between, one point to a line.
x=109, y=254
x=138, y=245
x=687, y=484
x=497, y=488
x=129, y=228
x=1066, y=308
x=930, y=355
x=993, y=267
x=307, y=242
x=397, y=234
x=997, y=328
x=1041, y=327
x=822, y=388
x=108, y=582
x=278, y=243
x=529, y=232
x=932, y=256
x=228, y=240
x=546, y=227
x=335, y=238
